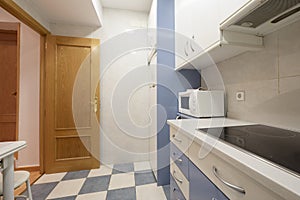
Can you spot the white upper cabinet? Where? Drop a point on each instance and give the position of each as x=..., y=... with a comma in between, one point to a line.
x=228, y=7
x=199, y=41
x=152, y=19
x=196, y=27
x=152, y=25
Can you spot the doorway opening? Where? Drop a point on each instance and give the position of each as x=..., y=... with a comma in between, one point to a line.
x=9, y=80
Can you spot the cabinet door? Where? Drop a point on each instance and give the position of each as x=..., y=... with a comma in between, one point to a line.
x=227, y=8
x=183, y=31
x=200, y=186
x=198, y=21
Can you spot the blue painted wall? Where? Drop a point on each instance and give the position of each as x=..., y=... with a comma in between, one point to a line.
x=169, y=83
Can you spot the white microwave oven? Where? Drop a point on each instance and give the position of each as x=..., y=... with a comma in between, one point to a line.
x=200, y=103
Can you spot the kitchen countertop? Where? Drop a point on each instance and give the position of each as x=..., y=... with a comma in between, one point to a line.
x=270, y=174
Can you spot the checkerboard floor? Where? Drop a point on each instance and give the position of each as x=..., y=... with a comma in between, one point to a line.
x=131, y=181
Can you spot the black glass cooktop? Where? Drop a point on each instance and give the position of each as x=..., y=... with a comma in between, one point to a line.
x=279, y=146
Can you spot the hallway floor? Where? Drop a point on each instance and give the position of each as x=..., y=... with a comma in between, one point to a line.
x=132, y=181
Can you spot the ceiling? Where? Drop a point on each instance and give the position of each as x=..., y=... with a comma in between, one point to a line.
x=83, y=12
x=77, y=12
x=136, y=5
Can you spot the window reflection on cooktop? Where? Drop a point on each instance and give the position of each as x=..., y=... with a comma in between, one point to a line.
x=274, y=144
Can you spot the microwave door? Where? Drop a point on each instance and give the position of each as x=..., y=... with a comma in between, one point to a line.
x=185, y=103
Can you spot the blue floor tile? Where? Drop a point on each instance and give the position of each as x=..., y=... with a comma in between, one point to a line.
x=124, y=194
x=95, y=184
x=41, y=191
x=123, y=168
x=76, y=175
x=144, y=177
x=65, y=198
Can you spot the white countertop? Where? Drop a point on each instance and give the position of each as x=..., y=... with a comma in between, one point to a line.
x=281, y=177
x=7, y=148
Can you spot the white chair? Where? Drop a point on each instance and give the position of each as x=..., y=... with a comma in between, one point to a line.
x=20, y=177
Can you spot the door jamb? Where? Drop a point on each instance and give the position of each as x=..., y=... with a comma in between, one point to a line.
x=11, y=7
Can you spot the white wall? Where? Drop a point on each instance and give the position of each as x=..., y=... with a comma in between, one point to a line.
x=29, y=92
x=117, y=145
x=270, y=79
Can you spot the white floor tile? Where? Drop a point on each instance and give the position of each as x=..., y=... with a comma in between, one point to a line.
x=66, y=188
x=48, y=178
x=139, y=166
x=122, y=180
x=93, y=196
x=103, y=170
x=150, y=192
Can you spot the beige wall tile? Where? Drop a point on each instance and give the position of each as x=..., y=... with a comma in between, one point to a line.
x=270, y=79
x=289, y=50
x=256, y=94
x=259, y=65
x=289, y=84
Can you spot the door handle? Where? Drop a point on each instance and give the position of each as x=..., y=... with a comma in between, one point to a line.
x=95, y=103
x=14, y=94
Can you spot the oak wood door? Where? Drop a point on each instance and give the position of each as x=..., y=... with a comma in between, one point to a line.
x=8, y=85
x=71, y=127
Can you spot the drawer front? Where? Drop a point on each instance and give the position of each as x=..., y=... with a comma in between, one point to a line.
x=180, y=180
x=201, y=188
x=218, y=170
x=180, y=160
x=181, y=141
x=175, y=192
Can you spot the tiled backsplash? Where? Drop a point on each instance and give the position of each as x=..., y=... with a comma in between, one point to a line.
x=270, y=79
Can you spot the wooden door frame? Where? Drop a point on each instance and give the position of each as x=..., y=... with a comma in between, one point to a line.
x=15, y=10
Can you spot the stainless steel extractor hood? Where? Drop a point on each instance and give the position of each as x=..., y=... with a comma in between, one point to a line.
x=261, y=17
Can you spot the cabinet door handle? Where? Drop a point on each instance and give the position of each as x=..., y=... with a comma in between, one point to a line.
x=234, y=187
x=191, y=46
x=176, y=139
x=177, y=179
x=185, y=51
x=179, y=160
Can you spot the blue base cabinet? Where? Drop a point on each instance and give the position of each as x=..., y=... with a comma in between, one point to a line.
x=201, y=188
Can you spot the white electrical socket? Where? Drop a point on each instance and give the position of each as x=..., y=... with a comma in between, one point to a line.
x=240, y=96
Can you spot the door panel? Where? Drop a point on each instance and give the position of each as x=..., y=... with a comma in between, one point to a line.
x=8, y=85
x=72, y=134
x=68, y=63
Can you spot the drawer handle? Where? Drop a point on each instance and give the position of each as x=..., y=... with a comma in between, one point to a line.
x=176, y=139
x=234, y=187
x=177, y=179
